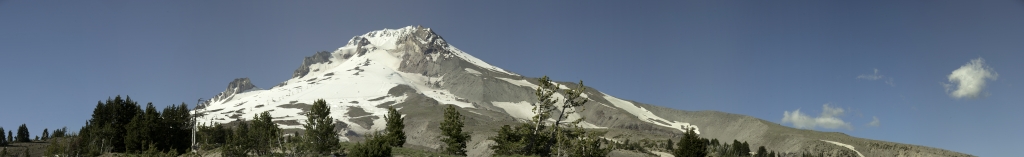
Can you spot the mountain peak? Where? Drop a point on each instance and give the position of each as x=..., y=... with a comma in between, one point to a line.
x=414, y=49
x=239, y=85
x=397, y=36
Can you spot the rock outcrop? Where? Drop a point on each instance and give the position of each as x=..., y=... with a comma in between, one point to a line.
x=239, y=85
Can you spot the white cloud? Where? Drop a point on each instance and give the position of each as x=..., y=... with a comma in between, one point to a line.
x=876, y=76
x=874, y=122
x=969, y=80
x=828, y=119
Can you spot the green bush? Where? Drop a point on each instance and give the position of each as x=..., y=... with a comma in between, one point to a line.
x=376, y=145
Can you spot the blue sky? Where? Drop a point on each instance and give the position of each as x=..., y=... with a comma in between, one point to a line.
x=763, y=59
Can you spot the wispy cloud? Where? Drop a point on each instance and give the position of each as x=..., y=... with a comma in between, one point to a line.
x=968, y=81
x=875, y=122
x=829, y=119
x=876, y=76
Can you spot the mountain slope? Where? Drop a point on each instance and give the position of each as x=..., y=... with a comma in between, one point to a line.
x=417, y=71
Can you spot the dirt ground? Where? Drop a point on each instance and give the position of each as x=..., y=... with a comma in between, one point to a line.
x=18, y=149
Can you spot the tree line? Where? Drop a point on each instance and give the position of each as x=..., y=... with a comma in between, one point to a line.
x=122, y=126
x=23, y=136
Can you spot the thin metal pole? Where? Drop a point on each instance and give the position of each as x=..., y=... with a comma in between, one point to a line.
x=195, y=126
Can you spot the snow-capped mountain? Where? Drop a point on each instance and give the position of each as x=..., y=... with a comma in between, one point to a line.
x=358, y=77
x=417, y=71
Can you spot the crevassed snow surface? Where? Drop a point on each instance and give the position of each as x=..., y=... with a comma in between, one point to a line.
x=845, y=145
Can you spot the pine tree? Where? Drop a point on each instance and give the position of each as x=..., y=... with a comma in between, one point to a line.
x=23, y=135
x=395, y=127
x=320, y=134
x=144, y=129
x=59, y=132
x=690, y=145
x=136, y=137
x=735, y=149
x=176, y=128
x=106, y=130
x=264, y=133
x=376, y=145
x=121, y=112
x=745, y=149
x=152, y=123
x=212, y=136
x=451, y=128
x=46, y=134
x=761, y=152
x=771, y=154
x=240, y=142
x=10, y=139
x=578, y=142
x=540, y=137
x=568, y=134
x=3, y=141
x=542, y=112
x=668, y=146
x=508, y=141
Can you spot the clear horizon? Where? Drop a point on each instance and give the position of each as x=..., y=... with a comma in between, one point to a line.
x=939, y=74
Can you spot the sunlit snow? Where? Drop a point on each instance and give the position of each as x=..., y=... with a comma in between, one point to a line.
x=845, y=145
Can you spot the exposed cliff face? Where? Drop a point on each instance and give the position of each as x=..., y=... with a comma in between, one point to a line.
x=239, y=85
x=319, y=57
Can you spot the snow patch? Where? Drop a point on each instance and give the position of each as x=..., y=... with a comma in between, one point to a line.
x=471, y=71
x=468, y=58
x=520, y=110
x=662, y=154
x=586, y=124
x=845, y=145
x=523, y=83
x=645, y=115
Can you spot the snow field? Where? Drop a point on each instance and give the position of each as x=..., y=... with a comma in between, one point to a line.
x=519, y=110
x=645, y=115
x=376, y=75
x=355, y=81
x=471, y=71
x=845, y=145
